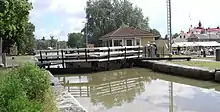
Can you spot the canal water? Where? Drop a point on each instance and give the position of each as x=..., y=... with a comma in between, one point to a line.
x=141, y=90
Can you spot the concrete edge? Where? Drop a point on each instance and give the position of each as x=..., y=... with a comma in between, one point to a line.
x=65, y=101
x=180, y=70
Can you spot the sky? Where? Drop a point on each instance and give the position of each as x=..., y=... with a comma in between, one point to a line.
x=60, y=17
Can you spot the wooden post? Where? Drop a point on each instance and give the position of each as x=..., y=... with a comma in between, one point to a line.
x=145, y=51
x=68, y=86
x=108, y=58
x=125, y=57
x=125, y=53
x=163, y=51
x=86, y=54
x=139, y=52
x=41, y=57
x=58, y=55
x=62, y=58
x=46, y=54
x=108, y=54
x=4, y=60
x=78, y=52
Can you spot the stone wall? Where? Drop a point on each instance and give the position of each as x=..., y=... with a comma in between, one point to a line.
x=65, y=101
x=178, y=70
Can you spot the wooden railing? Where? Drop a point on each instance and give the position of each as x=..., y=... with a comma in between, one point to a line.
x=89, y=54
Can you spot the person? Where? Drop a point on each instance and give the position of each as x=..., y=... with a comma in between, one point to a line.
x=178, y=49
x=153, y=51
x=148, y=48
x=155, y=48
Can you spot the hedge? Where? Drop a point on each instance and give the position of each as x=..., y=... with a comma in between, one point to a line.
x=24, y=89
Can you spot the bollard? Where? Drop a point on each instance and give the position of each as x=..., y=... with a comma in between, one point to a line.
x=4, y=60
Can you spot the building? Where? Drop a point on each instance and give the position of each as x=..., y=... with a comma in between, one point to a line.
x=127, y=36
x=203, y=38
x=199, y=34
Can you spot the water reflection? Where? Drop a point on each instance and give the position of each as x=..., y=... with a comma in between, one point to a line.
x=137, y=90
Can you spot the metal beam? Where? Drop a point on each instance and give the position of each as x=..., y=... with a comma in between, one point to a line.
x=169, y=25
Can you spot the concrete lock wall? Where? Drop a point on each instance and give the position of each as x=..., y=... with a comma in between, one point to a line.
x=179, y=70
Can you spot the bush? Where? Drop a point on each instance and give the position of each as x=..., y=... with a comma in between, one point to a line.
x=24, y=89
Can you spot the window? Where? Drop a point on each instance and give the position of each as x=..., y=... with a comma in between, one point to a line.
x=117, y=42
x=138, y=42
x=129, y=42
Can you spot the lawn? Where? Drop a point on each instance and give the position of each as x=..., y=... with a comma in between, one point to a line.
x=18, y=60
x=203, y=64
x=2, y=73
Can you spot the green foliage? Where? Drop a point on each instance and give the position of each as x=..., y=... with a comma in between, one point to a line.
x=104, y=16
x=62, y=45
x=75, y=40
x=53, y=42
x=13, y=21
x=43, y=44
x=24, y=89
x=175, y=35
x=156, y=33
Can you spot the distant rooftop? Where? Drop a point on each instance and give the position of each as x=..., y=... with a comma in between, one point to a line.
x=128, y=32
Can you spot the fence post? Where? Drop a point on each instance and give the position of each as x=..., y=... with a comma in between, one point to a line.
x=86, y=54
x=62, y=58
x=108, y=58
x=125, y=53
x=68, y=86
x=46, y=54
x=139, y=52
x=4, y=60
x=78, y=52
x=163, y=51
x=145, y=51
x=41, y=57
x=58, y=55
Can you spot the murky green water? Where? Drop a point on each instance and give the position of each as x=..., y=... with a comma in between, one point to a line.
x=141, y=90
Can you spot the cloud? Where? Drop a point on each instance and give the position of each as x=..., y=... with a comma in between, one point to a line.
x=70, y=14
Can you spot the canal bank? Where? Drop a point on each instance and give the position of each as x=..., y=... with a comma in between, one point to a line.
x=181, y=70
x=65, y=101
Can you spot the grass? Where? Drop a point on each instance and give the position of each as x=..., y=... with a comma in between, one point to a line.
x=18, y=60
x=195, y=57
x=2, y=73
x=49, y=102
x=209, y=65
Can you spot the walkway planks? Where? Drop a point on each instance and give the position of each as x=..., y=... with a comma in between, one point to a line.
x=98, y=54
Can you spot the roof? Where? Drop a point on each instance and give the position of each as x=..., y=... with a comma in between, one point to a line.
x=127, y=32
x=205, y=36
x=191, y=44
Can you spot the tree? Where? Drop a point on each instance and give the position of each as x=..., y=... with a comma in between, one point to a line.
x=53, y=42
x=175, y=35
x=62, y=45
x=156, y=33
x=75, y=40
x=13, y=21
x=28, y=42
x=166, y=37
x=104, y=16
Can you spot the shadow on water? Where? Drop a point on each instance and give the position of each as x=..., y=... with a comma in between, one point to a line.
x=139, y=89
